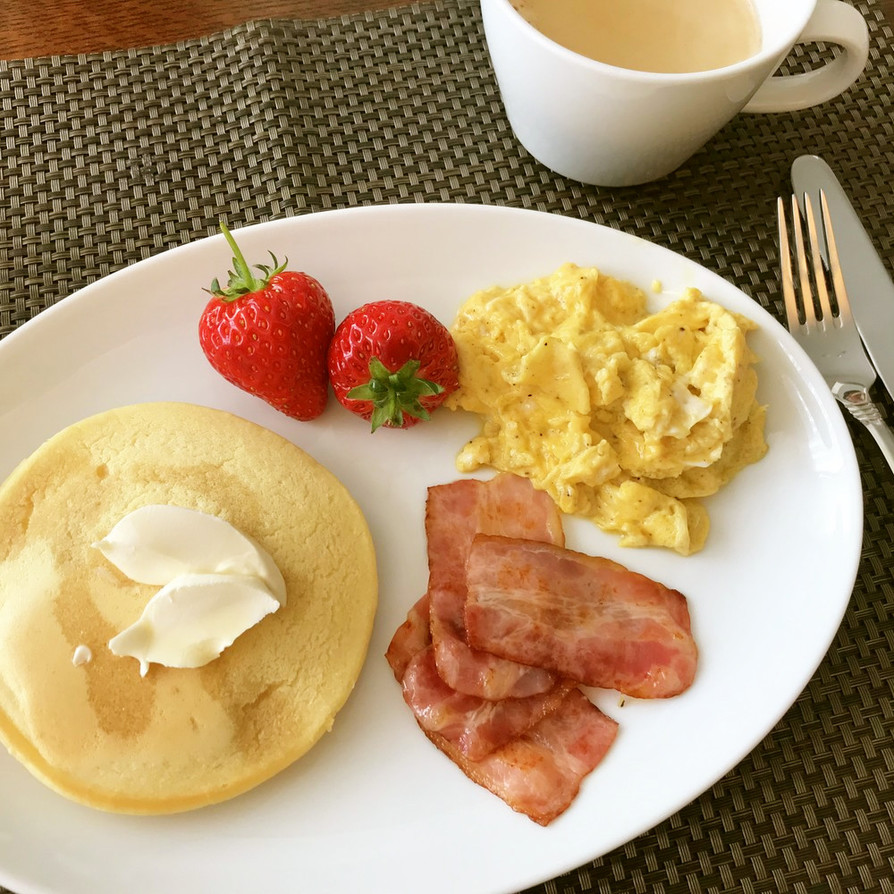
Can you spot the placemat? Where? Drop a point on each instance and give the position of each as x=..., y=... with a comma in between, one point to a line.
x=108, y=159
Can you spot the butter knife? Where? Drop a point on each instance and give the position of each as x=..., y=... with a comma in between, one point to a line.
x=868, y=281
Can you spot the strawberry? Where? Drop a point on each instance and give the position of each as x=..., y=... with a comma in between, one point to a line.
x=392, y=362
x=269, y=334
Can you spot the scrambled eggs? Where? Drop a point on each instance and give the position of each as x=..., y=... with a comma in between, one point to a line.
x=623, y=416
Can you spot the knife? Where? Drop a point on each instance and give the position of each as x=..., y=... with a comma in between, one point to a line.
x=868, y=282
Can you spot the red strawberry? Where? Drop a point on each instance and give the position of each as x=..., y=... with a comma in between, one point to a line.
x=268, y=335
x=392, y=362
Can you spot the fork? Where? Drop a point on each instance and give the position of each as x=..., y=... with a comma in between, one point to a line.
x=826, y=330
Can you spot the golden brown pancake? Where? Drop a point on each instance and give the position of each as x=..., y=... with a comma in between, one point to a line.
x=176, y=739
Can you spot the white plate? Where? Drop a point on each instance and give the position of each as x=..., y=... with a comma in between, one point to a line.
x=374, y=807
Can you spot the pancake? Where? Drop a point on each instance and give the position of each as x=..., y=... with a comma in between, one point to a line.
x=178, y=738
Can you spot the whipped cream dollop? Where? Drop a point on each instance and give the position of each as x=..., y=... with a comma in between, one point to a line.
x=215, y=581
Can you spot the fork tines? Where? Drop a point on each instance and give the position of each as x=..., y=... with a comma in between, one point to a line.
x=804, y=307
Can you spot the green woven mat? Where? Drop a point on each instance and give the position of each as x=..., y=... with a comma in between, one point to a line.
x=108, y=159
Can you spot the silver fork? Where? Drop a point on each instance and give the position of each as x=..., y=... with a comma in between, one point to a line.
x=830, y=336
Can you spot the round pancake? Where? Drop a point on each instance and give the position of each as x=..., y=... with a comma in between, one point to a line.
x=176, y=739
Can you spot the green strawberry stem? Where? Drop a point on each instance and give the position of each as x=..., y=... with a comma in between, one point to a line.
x=394, y=393
x=242, y=280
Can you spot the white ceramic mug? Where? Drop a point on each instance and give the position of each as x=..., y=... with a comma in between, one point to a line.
x=615, y=127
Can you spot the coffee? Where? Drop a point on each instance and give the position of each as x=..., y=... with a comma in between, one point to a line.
x=650, y=35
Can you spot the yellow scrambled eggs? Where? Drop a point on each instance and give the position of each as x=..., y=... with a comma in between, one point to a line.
x=625, y=417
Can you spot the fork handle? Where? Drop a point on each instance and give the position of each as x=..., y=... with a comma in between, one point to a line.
x=859, y=404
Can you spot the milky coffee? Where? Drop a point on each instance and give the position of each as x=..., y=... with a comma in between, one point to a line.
x=650, y=35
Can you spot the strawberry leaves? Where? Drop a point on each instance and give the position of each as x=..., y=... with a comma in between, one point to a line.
x=241, y=280
x=392, y=394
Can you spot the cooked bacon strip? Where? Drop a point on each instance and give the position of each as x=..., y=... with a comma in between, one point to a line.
x=507, y=505
x=410, y=638
x=455, y=513
x=587, y=618
x=485, y=675
x=476, y=726
x=540, y=773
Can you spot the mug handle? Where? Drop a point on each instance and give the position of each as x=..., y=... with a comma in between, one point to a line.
x=832, y=22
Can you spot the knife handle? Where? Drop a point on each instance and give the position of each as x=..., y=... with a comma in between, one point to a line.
x=856, y=399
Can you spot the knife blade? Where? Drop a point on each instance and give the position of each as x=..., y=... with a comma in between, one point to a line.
x=868, y=282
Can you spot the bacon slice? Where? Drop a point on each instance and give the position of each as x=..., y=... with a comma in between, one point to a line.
x=455, y=513
x=540, y=773
x=585, y=617
x=475, y=726
x=410, y=638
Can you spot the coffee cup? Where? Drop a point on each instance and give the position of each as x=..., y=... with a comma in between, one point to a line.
x=610, y=126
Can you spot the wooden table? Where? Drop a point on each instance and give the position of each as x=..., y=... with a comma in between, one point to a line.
x=45, y=27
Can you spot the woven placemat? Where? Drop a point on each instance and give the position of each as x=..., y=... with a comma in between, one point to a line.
x=108, y=159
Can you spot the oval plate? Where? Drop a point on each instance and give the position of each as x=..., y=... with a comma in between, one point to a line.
x=374, y=806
